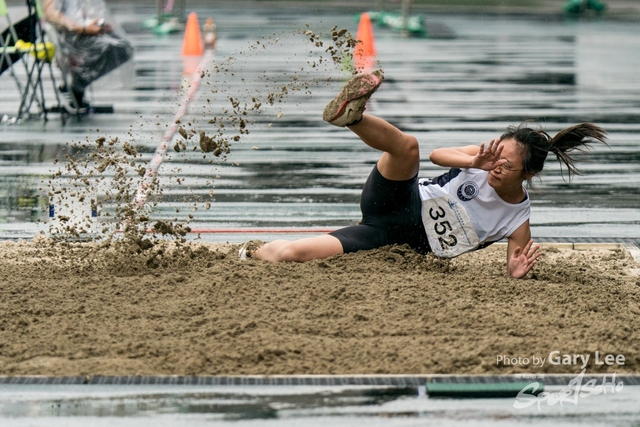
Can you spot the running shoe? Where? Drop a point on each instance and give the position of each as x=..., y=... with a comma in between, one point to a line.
x=247, y=249
x=346, y=109
x=69, y=102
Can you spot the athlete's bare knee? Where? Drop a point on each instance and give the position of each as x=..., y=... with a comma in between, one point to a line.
x=291, y=253
x=412, y=147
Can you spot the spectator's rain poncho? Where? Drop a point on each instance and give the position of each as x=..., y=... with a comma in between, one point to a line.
x=82, y=57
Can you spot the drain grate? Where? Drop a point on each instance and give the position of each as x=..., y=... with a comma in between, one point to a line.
x=319, y=380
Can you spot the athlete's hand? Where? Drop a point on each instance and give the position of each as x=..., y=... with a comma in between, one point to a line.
x=523, y=260
x=93, y=28
x=488, y=158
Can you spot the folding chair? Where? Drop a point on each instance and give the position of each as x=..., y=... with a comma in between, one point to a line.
x=6, y=57
x=9, y=55
x=25, y=42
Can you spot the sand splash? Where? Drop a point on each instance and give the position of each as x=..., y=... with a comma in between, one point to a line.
x=107, y=172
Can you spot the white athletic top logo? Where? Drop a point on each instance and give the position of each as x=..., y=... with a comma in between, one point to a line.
x=468, y=191
x=461, y=211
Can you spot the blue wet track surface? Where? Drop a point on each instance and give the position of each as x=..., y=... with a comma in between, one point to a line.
x=464, y=85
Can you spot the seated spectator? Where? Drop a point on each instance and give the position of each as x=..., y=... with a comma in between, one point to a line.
x=89, y=46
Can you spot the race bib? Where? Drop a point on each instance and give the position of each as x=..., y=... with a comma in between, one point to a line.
x=449, y=229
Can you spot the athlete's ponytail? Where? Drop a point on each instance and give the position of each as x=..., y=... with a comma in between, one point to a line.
x=535, y=144
x=575, y=138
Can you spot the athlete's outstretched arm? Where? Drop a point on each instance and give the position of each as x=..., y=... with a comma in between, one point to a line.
x=470, y=156
x=521, y=252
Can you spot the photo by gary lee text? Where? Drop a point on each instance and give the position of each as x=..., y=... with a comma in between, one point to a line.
x=558, y=358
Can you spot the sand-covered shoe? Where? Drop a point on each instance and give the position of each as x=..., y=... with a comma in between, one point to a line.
x=247, y=249
x=346, y=108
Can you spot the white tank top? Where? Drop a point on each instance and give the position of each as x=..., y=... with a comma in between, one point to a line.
x=461, y=212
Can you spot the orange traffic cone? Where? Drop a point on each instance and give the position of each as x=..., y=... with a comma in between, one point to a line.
x=364, y=54
x=192, y=45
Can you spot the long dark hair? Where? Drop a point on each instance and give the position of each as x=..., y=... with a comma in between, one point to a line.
x=535, y=144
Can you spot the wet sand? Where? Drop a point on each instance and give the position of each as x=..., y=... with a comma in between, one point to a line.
x=195, y=309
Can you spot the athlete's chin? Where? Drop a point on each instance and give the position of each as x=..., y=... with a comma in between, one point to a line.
x=493, y=181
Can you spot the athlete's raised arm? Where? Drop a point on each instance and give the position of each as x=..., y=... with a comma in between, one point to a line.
x=521, y=252
x=470, y=156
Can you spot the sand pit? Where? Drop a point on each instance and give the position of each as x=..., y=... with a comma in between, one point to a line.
x=194, y=308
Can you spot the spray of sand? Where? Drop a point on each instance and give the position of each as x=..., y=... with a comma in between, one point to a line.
x=107, y=171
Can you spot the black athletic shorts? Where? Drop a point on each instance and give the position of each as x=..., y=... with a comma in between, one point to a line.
x=391, y=214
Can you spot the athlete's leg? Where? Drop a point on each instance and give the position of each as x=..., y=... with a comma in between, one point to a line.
x=400, y=161
x=401, y=158
x=300, y=250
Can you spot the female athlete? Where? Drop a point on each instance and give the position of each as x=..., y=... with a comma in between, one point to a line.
x=480, y=200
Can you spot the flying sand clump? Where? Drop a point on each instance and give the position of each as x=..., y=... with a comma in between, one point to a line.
x=109, y=171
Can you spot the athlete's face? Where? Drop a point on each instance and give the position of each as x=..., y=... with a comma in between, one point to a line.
x=509, y=176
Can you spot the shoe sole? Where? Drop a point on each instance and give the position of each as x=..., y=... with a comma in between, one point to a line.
x=352, y=98
x=73, y=111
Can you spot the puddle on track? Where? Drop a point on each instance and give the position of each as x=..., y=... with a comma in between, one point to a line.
x=263, y=405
